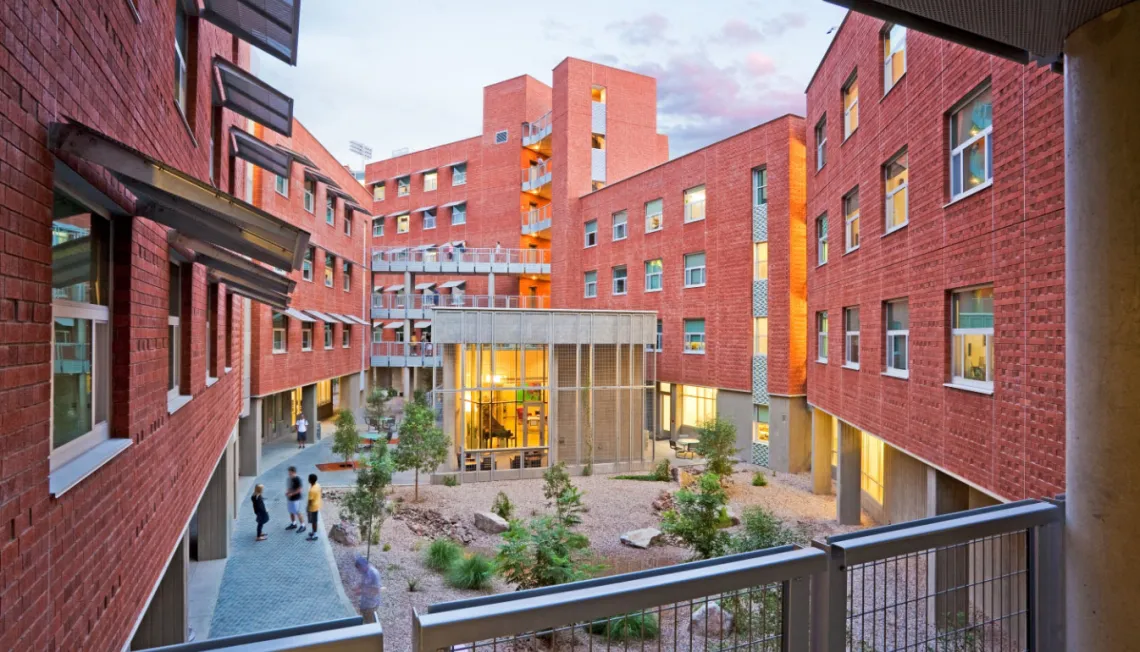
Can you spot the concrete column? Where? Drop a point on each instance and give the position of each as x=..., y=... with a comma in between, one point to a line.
x=491, y=284
x=216, y=511
x=309, y=409
x=822, y=425
x=406, y=382
x=350, y=395
x=948, y=575
x=790, y=438
x=849, y=489
x=167, y=617
x=249, y=439
x=1102, y=330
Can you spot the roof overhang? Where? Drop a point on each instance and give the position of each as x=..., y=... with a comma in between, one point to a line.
x=242, y=270
x=269, y=25
x=358, y=208
x=425, y=286
x=357, y=320
x=422, y=209
x=453, y=203
x=298, y=315
x=321, y=316
x=334, y=190
x=422, y=324
x=455, y=163
x=341, y=318
x=394, y=288
x=260, y=153
x=271, y=299
x=426, y=170
x=297, y=156
x=246, y=95
x=392, y=325
x=182, y=202
x=314, y=175
x=453, y=284
x=378, y=182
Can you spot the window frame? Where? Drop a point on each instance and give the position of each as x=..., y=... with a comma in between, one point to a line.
x=590, y=284
x=383, y=191
x=403, y=223
x=309, y=196
x=821, y=143
x=889, y=193
x=958, y=151
x=851, y=83
x=760, y=336
x=378, y=222
x=429, y=219
x=821, y=336
x=348, y=222
x=703, y=267
x=622, y=280
x=330, y=209
x=759, y=261
x=307, y=333
x=624, y=224
x=892, y=334
x=760, y=186
x=330, y=268
x=328, y=328
x=433, y=176
x=694, y=346
x=459, y=209
x=590, y=232
x=660, y=215
x=307, y=264
x=211, y=331
x=346, y=275
x=659, y=275
x=822, y=253
x=283, y=330
x=851, y=230
x=660, y=343
x=890, y=49
x=459, y=175
x=955, y=332
x=280, y=182
x=404, y=186
x=345, y=336
x=181, y=60
x=174, y=329
x=851, y=337
x=691, y=204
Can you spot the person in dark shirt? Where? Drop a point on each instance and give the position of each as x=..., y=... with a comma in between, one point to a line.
x=293, y=500
x=259, y=511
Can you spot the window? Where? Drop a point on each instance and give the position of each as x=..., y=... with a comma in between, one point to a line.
x=174, y=331
x=894, y=56
x=694, y=336
x=211, y=330
x=596, y=185
x=307, y=264
x=598, y=94
x=345, y=336
x=229, y=332
x=821, y=239
x=346, y=274
x=698, y=405
x=310, y=191
x=760, y=261
x=348, y=222
x=851, y=337
x=620, y=219
x=851, y=220
x=653, y=273
x=501, y=136
x=850, y=107
x=660, y=336
x=281, y=185
x=591, y=233
x=429, y=218
x=695, y=204
x=971, y=153
x=694, y=270
x=181, y=56
x=459, y=174
x=330, y=266
x=759, y=336
x=378, y=227
x=898, y=336
x=821, y=143
x=591, y=285
x=972, y=332
x=378, y=192
x=759, y=186
x=872, y=468
x=821, y=336
x=328, y=328
x=653, y=215
x=403, y=186
x=402, y=223
x=280, y=332
x=760, y=424
x=896, y=207
x=597, y=141
x=431, y=181
x=619, y=274
x=459, y=214
x=330, y=209
x=306, y=336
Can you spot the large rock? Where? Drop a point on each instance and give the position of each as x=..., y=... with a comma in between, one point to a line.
x=642, y=538
x=345, y=534
x=490, y=523
x=711, y=620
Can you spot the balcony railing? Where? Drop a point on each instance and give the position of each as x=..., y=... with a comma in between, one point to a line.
x=487, y=256
x=536, y=176
x=406, y=354
x=393, y=301
x=536, y=219
x=535, y=132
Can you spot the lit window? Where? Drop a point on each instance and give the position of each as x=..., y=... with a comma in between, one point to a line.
x=898, y=337
x=346, y=274
x=330, y=209
x=972, y=332
x=378, y=192
x=378, y=227
x=403, y=186
x=348, y=222
x=821, y=239
x=660, y=336
x=328, y=328
x=654, y=216
x=872, y=468
x=971, y=153
x=759, y=336
x=591, y=233
x=307, y=336
x=597, y=141
x=459, y=214
x=281, y=185
x=821, y=143
x=851, y=337
x=694, y=270
x=695, y=204
x=431, y=181
x=821, y=336
x=181, y=56
x=760, y=424
x=850, y=107
x=759, y=186
x=402, y=222
x=620, y=219
x=429, y=218
x=330, y=266
x=307, y=265
x=698, y=405
x=760, y=261
x=598, y=94
x=620, y=275
x=309, y=194
x=851, y=220
x=345, y=336
x=653, y=273
x=694, y=336
x=280, y=332
x=459, y=174
x=896, y=201
x=591, y=285
x=894, y=56
x=174, y=331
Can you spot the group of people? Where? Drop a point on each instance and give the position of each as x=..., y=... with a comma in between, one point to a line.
x=293, y=496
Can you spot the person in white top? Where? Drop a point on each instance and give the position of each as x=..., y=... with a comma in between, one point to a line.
x=302, y=431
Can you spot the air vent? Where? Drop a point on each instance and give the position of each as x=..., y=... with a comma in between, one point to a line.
x=501, y=137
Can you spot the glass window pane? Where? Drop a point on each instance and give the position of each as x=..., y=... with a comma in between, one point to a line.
x=898, y=316
x=72, y=396
x=80, y=255
x=976, y=172
x=972, y=119
x=974, y=308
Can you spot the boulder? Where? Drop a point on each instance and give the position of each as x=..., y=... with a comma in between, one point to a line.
x=642, y=538
x=345, y=534
x=711, y=620
x=490, y=523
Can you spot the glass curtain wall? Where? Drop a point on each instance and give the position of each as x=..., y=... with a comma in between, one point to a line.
x=505, y=406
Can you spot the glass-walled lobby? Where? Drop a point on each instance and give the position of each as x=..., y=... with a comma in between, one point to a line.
x=505, y=406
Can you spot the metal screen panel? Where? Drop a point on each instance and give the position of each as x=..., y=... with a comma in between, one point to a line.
x=269, y=25
x=248, y=96
x=259, y=153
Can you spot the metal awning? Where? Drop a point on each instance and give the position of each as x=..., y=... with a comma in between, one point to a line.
x=260, y=153
x=422, y=324
x=358, y=320
x=184, y=203
x=453, y=284
x=394, y=288
x=392, y=325
x=253, y=293
x=421, y=209
x=298, y=315
x=343, y=194
x=378, y=182
x=239, y=269
x=426, y=170
x=403, y=176
x=425, y=286
x=378, y=217
x=424, y=246
x=458, y=243
x=315, y=175
x=342, y=318
x=321, y=316
x=241, y=92
x=397, y=214
x=297, y=156
x=453, y=203
x=451, y=165
x=357, y=207
x=269, y=25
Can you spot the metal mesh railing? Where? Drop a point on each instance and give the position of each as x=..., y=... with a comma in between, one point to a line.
x=535, y=175
x=532, y=217
x=394, y=301
x=406, y=349
x=491, y=255
x=535, y=131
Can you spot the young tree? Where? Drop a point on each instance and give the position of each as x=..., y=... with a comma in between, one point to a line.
x=346, y=439
x=422, y=446
x=376, y=407
x=696, y=519
x=564, y=497
x=364, y=505
x=544, y=552
x=718, y=445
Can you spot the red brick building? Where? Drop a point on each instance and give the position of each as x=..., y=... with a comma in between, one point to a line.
x=125, y=254
x=936, y=274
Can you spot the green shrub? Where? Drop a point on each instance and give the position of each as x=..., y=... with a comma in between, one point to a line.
x=717, y=444
x=544, y=552
x=637, y=626
x=697, y=515
x=761, y=529
x=387, y=547
x=441, y=554
x=503, y=507
x=413, y=584
x=563, y=495
x=472, y=571
x=451, y=481
x=662, y=472
x=758, y=479
x=642, y=478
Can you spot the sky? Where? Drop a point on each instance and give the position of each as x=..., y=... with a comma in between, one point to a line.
x=397, y=75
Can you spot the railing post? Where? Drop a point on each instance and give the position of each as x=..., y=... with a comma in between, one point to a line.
x=1047, y=585
x=820, y=584
x=795, y=621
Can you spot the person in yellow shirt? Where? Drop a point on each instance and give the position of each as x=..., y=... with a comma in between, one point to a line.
x=314, y=504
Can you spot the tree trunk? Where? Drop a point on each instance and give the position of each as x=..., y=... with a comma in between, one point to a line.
x=416, y=494
x=368, y=550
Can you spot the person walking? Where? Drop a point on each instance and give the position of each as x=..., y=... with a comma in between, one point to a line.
x=302, y=430
x=368, y=590
x=259, y=511
x=314, y=505
x=293, y=499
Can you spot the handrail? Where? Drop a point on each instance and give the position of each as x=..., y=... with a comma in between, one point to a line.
x=405, y=349
x=532, y=174
x=394, y=301
x=533, y=216
x=343, y=633
x=487, y=255
x=536, y=128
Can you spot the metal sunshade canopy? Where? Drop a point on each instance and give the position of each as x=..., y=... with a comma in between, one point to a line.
x=270, y=25
x=260, y=153
x=246, y=95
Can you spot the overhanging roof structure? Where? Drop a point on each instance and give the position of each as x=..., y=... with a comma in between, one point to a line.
x=425, y=286
x=298, y=315
x=426, y=170
x=421, y=324
x=341, y=318
x=241, y=92
x=453, y=284
x=357, y=320
x=334, y=190
x=321, y=316
x=260, y=153
x=297, y=156
x=239, y=269
x=182, y=202
x=235, y=285
x=269, y=25
x=316, y=175
x=455, y=163
x=453, y=203
x=422, y=209
x=358, y=208
x=394, y=288
x=392, y=325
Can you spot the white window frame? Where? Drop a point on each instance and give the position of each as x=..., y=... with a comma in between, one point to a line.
x=306, y=335
x=307, y=264
x=330, y=210
x=591, y=284
x=328, y=328
x=346, y=275
x=283, y=331
x=345, y=336
x=620, y=283
x=821, y=143
x=429, y=219
x=620, y=225
x=889, y=51
x=348, y=222
x=821, y=240
x=378, y=196
x=100, y=350
x=691, y=271
x=660, y=343
x=658, y=214
x=695, y=343
x=281, y=185
x=821, y=342
x=309, y=196
x=897, y=334
x=760, y=186
x=403, y=186
x=174, y=332
x=431, y=181
x=760, y=261
x=889, y=205
x=956, y=332
x=403, y=223
x=589, y=234
x=695, y=208
x=459, y=174
x=658, y=275
x=211, y=333
x=957, y=153
x=851, y=337
x=848, y=129
x=330, y=270
x=378, y=227
x=459, y=214
x=181, y=74
x=851, y=231
x=760, y=336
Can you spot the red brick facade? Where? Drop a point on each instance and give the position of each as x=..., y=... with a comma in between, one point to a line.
x=76, y=571
x=1009, y=235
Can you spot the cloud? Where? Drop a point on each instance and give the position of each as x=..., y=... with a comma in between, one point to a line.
x=759, y=64
x=736, y=30
x=645, y=30
x=554, y=29
x=783, y=23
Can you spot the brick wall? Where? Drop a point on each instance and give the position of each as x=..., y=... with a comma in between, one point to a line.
x=76, y=572
x=1010, y=235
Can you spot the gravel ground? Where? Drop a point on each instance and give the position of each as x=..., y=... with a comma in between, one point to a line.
x=615, y=506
